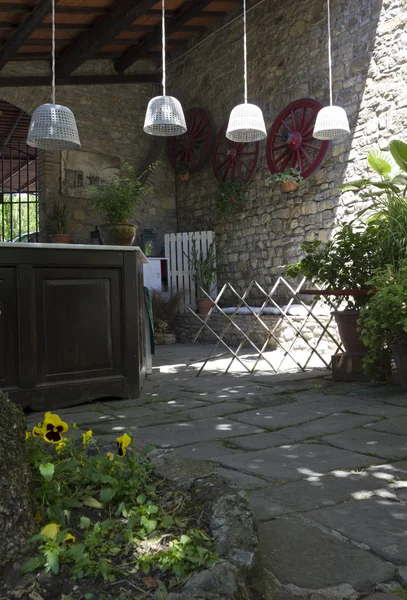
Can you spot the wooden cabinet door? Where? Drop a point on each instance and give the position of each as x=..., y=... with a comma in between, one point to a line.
x=78, y=324
x=8, y=328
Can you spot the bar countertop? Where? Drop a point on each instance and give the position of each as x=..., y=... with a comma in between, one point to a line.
x=96, y=247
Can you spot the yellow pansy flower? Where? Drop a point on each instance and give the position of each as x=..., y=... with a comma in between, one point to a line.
x=110, y=456
x=51, y=530
x=69, y=539
x=53, y=428
x=38, y=431
x=86, y=437
x=61, y=446
x=27, y=435
x=122, y=443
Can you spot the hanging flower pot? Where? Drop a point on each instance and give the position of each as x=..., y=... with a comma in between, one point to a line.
x=231, y=198
x=288, y=186
x=182, y=170
x=289, y=179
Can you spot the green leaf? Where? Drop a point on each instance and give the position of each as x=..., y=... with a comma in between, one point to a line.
x=92, y=502
x=160, y=593
x=354, y=186
x=47, y=471
x=398, y=151
x=377, y=161
x=145, y=567
x=32, y=564
x=141, y=499
x=53, y=561
x=84, y=522
x=167, y=522
x=184, y=539
x=149, y=524
x=107, y=494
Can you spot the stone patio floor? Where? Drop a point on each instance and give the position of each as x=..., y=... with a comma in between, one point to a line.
x=324, y=465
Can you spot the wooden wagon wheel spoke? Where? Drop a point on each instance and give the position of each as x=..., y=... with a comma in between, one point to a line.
x=240, y=162
x=290, y=143
x=194, y=147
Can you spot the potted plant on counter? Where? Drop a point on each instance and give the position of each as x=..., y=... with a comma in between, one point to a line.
x=231, y=198
x=289, y=179
x=58, y=219
x=116, y=200
x=384, y=323
x=344, y=266
x=203, y=268
x=182, y=170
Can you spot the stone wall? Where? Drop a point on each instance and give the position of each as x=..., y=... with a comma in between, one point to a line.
x=287, y=60
x=110, y=121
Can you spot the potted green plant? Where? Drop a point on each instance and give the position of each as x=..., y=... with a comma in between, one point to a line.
x=344, y=266
x=204, y=273
x=182, y=170
x=383, y=323
x=231, y=198
x=289, y=179
x=116, y=200
x=58, y=219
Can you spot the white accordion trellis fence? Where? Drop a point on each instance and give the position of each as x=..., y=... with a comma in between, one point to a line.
x=259, y=352
x=178, y=247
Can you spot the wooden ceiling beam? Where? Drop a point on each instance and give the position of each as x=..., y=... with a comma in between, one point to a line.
x=142, y=48
x=7, y=25
x=23, y=32
x=102, y=33
x=36, y=81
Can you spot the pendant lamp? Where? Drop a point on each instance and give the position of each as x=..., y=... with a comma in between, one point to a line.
x=246, y=121
x=331, y=122
x=53, y=126
x=164, y=116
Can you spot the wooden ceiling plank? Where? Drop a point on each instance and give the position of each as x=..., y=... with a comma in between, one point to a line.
x=103, y=31
x=140, y=49
x=40, y=80
x=20, y=35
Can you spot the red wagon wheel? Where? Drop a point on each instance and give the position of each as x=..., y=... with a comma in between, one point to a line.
x=194, y=146
x=290, y=144
x=233, y=161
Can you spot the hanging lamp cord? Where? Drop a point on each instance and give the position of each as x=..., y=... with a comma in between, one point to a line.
x=244, y=51
x=163, y=44
x=53, y=51
x=329, y=52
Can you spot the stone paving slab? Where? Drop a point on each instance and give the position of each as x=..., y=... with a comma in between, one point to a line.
x=263, y=505
x=241, y=480
x=396, y=425
x=303, y=555
x=215, y=410
x=314, y=429
x=320, y=491
x=378, y=523
x=380, y=596
x=178, y=404
x=131, y=423
x=296, y=462
x=380, y=410
x=189, y=432
x=299, y=412
x=367, y=441
x=205, y=450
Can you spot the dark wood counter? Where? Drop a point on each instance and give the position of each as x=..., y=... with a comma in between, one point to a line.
x=72, y=323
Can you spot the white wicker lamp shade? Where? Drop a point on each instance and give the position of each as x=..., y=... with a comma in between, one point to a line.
x=53, y=127
x=165, y=117
x=331, y=124
x=246, y=124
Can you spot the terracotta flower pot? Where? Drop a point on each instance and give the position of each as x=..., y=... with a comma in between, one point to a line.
x=204, y=305
x=288, y=186
x=60, y=238
x=183, y=176
x=122, y=234
x=348, y=331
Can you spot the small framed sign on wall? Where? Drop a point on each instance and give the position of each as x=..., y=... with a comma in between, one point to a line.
x=80, y=170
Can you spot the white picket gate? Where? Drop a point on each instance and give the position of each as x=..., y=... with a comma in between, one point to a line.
x=178, y=248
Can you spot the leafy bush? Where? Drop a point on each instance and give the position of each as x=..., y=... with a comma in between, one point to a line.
x=384, y=319
x=231, y=198
x=203, y=267
x=117, y=198
x=105, y=515
x=388, y=208
x=287, y=175
x=345, y=263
